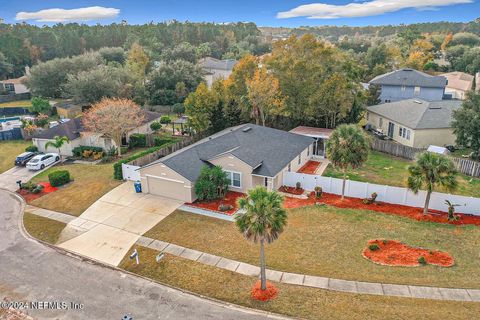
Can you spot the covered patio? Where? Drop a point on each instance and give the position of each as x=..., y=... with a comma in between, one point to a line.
x=321, y=135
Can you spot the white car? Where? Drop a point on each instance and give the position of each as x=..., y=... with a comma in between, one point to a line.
x=42, y=160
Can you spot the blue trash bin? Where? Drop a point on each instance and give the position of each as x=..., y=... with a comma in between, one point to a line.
x=138, y=186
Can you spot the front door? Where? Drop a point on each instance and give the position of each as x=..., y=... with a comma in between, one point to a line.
x=391, y=129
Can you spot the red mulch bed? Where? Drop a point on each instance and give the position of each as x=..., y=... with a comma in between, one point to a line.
x=388, y=208
x=395, y=253
x=291, y=190
x=28, y=196
x=230, y=199
x=264, y=295
x=310, y=167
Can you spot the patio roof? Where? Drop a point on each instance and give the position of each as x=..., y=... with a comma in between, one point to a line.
x=312, y=132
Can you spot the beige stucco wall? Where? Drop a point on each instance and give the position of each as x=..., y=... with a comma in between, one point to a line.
x=294, y=166
x=163, y=181
x=374, y=119
x=65, y=150
x=231, y=163
x=436, y=137
x=96, y=140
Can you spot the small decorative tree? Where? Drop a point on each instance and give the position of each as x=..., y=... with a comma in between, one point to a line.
x=155, y=126
x=347, y=148
x=262, y=221
x=113, y=118
x=431, y=169
x=451, y=210
x=40, y=105
x=41, y=120
x=211, y=184
x=165, y=120
x=57, y=143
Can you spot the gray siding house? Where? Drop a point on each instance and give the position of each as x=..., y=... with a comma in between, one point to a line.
x=408, y=84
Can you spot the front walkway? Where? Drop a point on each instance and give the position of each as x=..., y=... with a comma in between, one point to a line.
x=359, y=287
x=110, y=226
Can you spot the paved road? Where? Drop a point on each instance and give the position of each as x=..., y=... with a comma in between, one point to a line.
x=9, y=178
x=32, y=272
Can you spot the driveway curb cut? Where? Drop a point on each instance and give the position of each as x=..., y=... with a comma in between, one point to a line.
x=73, y=255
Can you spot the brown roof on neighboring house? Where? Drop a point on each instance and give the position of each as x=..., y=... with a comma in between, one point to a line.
x=312, y=132
x=14, y=81
x=459, y=80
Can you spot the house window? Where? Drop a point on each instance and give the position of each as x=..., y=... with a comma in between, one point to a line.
x=289, y=167
x=265, y=181
x=400, y=131
x=10, y=87
x=299, y=158
x=234, y=178
x=408, y=134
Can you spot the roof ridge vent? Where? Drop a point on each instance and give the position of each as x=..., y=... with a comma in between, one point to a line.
x=247, y=129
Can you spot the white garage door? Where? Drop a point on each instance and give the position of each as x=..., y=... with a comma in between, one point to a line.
x=169, y=188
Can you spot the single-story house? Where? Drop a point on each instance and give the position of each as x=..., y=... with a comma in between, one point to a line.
x=14, y=86
x=320, y=136
x=78, y=136
x=458, y=84
x=214, y=69
x=251, y=155
x=69, y=109
x=415, y=123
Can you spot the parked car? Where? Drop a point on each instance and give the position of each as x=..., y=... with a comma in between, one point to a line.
x=22, y=159
x=42, y=160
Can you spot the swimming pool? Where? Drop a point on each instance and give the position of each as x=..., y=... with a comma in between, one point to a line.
x=9, y=119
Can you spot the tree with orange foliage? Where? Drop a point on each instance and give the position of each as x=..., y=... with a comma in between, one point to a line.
x=113, y=118
x=446, y=41
x=263, y=93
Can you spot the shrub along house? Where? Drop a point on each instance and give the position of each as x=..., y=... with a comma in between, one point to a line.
x=415, y=123
x=78, y=136
x=251, y=155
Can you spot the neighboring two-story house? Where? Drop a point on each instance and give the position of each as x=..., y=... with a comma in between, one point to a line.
x=214, y=69
x=408, y=84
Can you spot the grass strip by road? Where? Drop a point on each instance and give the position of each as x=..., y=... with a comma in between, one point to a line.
x=295, y=301
x=90, y=183
x=381, y=168
x=42, y=228
x=9, y=150
x=328, y=242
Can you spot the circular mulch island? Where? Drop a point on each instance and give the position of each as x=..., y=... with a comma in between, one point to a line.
x=264, y=295
x=395, y=253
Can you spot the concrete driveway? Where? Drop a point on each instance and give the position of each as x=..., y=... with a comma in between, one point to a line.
x=109, y=227
x=9, y=178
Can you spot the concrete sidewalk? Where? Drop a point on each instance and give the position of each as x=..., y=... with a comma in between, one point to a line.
x=110, y=226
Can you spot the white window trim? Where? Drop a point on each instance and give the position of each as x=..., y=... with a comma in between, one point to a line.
x=231, y=180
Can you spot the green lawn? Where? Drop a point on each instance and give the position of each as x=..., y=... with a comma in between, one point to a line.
x=90, y=183
x=9, y=150
x=381, y=168
x=295, y=301
x=328, y=241
x=42, y=228
x=19, y=103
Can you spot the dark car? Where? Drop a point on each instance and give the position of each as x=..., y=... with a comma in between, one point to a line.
x=23, y=158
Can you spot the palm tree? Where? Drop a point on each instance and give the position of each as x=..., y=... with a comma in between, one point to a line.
x=347, y=148
x=262, y=221
x=431, y=169
x=58, y=143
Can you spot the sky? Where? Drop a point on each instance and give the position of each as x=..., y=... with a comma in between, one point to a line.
x=286, y=13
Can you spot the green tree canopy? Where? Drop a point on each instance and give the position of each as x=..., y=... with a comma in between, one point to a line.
x=466, y=123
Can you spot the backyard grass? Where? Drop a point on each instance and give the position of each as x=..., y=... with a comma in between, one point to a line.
x=90, y=183
x=19, y=103
x=296, y=301
x=328, y=241
x=9, y=150
x=381, y=168
x=42, y=228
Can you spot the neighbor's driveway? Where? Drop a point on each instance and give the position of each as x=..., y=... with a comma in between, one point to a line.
x=109, y=227
x=9, y=178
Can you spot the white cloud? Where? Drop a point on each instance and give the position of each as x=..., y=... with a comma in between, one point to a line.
x=362, y=9
x=66, y=15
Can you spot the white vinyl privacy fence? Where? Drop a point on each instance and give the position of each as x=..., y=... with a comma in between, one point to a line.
x=130, y=172
x=395, y=195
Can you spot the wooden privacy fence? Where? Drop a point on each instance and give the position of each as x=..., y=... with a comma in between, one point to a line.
x=465, y=166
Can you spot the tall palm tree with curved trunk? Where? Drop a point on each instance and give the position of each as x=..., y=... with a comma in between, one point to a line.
x=347, y=148
x=262, y=220
x=430, y=170
x=57, y=143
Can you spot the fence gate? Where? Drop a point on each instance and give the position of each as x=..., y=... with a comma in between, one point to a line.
x=130, y=172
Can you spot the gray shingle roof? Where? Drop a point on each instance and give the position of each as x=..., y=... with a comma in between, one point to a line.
x=265, y=149
x=212, y=63
x=410, y=77
x=419, y=114
x=71, y=129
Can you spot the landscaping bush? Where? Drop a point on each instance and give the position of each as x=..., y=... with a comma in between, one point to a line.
x=155, y=126
x=211, y=184
x=28, y=186
x=318, y=192
x=123, y=150
x=59, y=178
x=31, y=149
x=78, y=151
x=158, y=141
x=298, y=185
x=165, y=120
x=38, y=188
x=97, y=155
x=422, y=260
x=373, y=247
x=225, y=207
x=86, y=153
x=371, y=200
x=137, y=140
